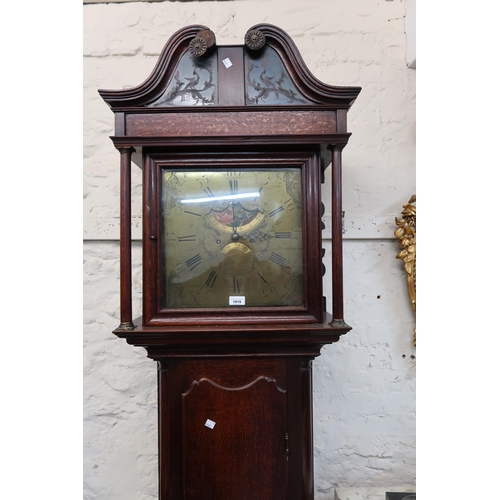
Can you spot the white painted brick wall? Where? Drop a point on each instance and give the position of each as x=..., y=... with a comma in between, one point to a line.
x=364, y=385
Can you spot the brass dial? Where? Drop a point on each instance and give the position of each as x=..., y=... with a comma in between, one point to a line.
x=232, y=238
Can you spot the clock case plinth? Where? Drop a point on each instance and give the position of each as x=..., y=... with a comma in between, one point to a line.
x=255, y=383
x=247, y=374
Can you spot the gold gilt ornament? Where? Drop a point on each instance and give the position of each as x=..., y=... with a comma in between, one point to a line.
x=406, y=233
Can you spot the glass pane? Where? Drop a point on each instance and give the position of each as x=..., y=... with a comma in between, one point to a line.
x=267, y=81
x=194, y=83
x=232, y=238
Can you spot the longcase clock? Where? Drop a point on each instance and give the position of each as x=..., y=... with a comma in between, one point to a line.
x=233, y=142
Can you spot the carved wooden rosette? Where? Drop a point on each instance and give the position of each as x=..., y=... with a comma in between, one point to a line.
x=197, y=46
x=202, y=43
x=255, y=39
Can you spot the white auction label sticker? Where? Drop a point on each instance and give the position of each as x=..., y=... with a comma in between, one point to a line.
x=236, y=301
x=227, y=62
x=210, y=423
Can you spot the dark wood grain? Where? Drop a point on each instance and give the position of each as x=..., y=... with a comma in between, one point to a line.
x=231, y=141
x=258, y=406
x=231, y=76
x=306, y=444
x=125, y=239
x=245, y=451
x=337, y=261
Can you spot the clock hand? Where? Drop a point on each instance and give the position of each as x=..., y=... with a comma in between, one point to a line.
x=235, y=236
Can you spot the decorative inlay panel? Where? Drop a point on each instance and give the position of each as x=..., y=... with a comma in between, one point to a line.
x=252, y=123
x=267, y=81
x=194, y=83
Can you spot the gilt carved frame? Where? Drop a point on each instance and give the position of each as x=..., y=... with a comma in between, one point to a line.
x=406, y=233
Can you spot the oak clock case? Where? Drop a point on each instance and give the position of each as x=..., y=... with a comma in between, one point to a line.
x=233, y=142
x=227, y=238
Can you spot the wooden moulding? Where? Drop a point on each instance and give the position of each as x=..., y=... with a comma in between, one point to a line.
x=176, y=340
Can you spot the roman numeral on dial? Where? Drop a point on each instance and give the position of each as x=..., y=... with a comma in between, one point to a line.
x=189, y=237
x=236, y=285
x=276, y=211
x=233, y=187
x=277, y=259
x=193, y=262
x=283, y=234
x=211, y=279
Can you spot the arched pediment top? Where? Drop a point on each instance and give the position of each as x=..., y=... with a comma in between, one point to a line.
x=311, y=87
x=161, y=74
x=268, y=70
